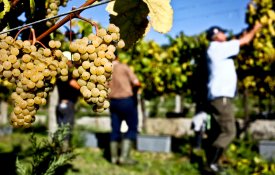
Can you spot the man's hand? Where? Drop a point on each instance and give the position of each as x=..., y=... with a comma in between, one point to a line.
x=257, y=26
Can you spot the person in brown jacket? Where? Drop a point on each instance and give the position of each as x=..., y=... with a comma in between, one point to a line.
x=123, y=107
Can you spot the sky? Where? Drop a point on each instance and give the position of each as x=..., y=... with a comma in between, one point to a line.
x=190, y=17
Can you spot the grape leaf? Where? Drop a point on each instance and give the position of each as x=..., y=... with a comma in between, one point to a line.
x=110, y=8
x=161, y=15
x=32, y=6
x=6, y=8
x=131, y=17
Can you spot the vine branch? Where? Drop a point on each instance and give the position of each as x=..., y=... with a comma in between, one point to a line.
x=64, y=20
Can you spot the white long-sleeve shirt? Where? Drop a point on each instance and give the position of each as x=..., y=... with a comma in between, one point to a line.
x=222, y=72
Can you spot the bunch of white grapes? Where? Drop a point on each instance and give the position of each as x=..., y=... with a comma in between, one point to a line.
x=33, y=71
x=52, y=7
x=92, y=57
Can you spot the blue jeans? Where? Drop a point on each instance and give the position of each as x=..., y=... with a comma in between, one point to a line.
x=65, y=115
x=124, y=109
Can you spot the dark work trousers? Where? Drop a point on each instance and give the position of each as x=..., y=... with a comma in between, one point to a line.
x=124, y=109
x=223, y=127
x=65, y=115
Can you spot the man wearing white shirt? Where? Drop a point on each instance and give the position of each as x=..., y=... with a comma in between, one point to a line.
x=222, y=85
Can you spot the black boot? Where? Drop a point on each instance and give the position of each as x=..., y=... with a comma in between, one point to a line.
x=213, y=157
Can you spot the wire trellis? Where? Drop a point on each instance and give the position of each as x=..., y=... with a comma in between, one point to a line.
x=57, y=16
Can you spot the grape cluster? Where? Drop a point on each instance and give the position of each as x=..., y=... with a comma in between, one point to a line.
x=52, y=7
x=33, y=71
x=92, y=57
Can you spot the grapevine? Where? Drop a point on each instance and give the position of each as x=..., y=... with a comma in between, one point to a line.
x=254, y=68
x=263, y=11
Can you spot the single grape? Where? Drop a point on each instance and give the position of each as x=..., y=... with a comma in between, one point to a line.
x=73, y=47
x=112, y=28
x=26, y=58
x=30, y=65
x=107, y=38
x=47, y=52
x=30, y=102
x=115, y=36
x=101, y=79
x=87, y=93
x=16, y=72
x=97, y=62
x=81, y=70
x=85, y=76
x=76, y=57
x=93, y=78
x=28, y=118
x=108, y=67
x=7, y=74
x=14, y=51
x=64, y=72
x=83, y=88
x=110, y=55
x=101, y=32
x=106, y=104
x=103, y=93
x=37, y=100
x=101, y=54
x=75, y=73
x=17, y=110
x=100, y=87
x=52, y=44
x=92, y=56
x=57, y=43
x=7, y=65
x=95, y=92
x=31, y=85
x=16, y=65
x=111, y=48
x=91, y=85
x=90, y=49
x=102, y=47
x=120, y=44
x=101, y=99
x=81, y=82
x=100, y=70
x=104, y=61
x=82, y=49
x=84, y=56
x=40, y=84
x=58, y=53
x=86, y=64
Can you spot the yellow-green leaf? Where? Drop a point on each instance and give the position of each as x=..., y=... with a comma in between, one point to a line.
x=110, y=8
x=32, y=6
x=6, y=8
x=161, y=15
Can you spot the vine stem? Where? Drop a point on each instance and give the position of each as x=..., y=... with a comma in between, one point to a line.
x=41, y=44
x=24, y=28
x=64, y=20
x=88, y=21
x=33, y=36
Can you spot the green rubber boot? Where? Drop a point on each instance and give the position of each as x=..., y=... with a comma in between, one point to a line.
x=125, y=158
x=114, y=152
